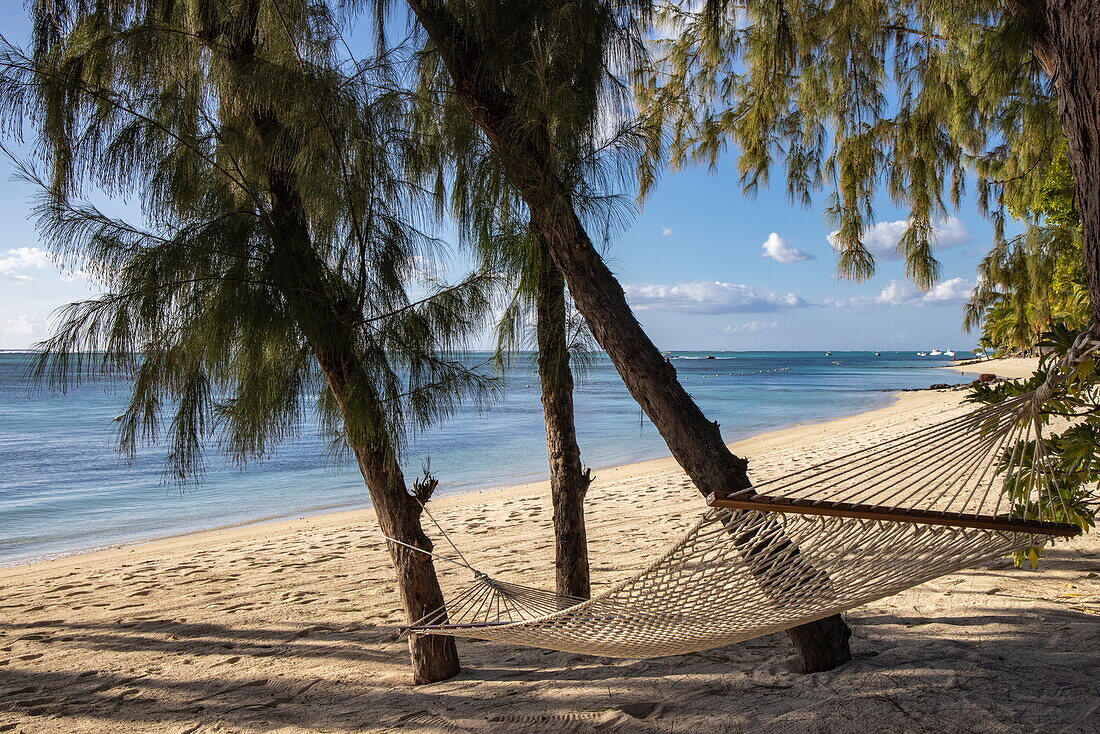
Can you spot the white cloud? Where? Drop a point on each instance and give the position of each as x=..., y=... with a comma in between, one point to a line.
x=881, y=239
x=904, y=293
x=22, y=258
x=752, y=327
x=777, y=249
x=710, y=297
x=21, y=326
x=899, y=293
x=666, y=231
x=955, y=290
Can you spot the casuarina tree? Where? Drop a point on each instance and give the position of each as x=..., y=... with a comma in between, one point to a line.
x=269, y=277
x=491, y=219
x=544, y=83
x=539, y=295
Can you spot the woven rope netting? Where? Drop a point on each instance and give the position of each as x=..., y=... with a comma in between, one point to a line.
x=743, y=573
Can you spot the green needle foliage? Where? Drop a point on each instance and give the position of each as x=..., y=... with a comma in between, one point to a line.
x=529, y=264
x=902, y=97
x=550, y=59
x=1028, y=283
x=271, y=276
x=563, y=67
x=202, y=306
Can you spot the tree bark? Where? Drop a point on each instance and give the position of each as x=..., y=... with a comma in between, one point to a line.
x=695, y=442
x=569, y=479
x=433, y=657
x=1066, y=41
x=326, y=320
x=325, y=324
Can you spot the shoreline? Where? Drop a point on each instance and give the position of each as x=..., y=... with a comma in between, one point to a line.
x=1011, y=368
x=342, y=515
x=292, y=625
x=890, y=397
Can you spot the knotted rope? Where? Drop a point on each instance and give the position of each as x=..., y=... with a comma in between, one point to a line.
x=739, y=574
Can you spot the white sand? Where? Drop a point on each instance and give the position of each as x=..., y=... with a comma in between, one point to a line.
x=290, y=627
x=1011, y=369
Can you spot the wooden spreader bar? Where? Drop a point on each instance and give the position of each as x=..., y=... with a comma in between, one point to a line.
x=742, y=500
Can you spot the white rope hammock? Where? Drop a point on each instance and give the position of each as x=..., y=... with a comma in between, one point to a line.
x=823, y=539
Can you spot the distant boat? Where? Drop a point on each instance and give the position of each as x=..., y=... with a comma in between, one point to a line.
x=878, y=354
x=922, y=354
x=828, y=354
x=949, y=353
x=935, y=353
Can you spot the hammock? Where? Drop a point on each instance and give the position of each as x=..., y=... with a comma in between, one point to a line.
x=821, y=540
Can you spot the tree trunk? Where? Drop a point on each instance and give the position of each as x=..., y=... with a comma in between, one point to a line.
x=569, y=479
x=695, y=442
x=324, y=317
x=324, y=321
x=433, y=657
x=1066, y=40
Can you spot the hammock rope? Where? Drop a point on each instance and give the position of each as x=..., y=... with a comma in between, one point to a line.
x=824, y=538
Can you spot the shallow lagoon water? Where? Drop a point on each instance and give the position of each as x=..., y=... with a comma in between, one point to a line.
x=63, y=488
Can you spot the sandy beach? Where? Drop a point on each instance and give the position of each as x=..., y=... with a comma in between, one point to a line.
x=1012, y=368
x=291, y=627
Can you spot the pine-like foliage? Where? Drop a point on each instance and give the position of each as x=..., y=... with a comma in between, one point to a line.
x=280, y=234
x=902, y=97
x=1030, y=282
x=562, y=67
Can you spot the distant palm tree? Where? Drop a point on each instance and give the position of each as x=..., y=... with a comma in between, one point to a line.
x=270, y=279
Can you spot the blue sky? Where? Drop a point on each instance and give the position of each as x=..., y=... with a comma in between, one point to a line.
x=704, y=266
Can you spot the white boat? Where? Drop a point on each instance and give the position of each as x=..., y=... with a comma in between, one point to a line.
x=949, y=353
x=922, y=354
x=935, y=353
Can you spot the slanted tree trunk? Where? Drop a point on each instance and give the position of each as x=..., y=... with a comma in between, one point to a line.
x=315, y=297
x=433, y=657
x=695, y=442
x=1066, y=40
x=569, y=479
x=325, y=320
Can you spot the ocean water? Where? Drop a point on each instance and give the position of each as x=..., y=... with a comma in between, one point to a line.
x=64, y=489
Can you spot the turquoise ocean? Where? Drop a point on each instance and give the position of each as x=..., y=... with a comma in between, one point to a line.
x=64, y=489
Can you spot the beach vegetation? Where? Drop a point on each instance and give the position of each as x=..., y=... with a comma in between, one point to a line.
x=914, y=100
x=491, y=219
x=562, y=341
x=1029, y=283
